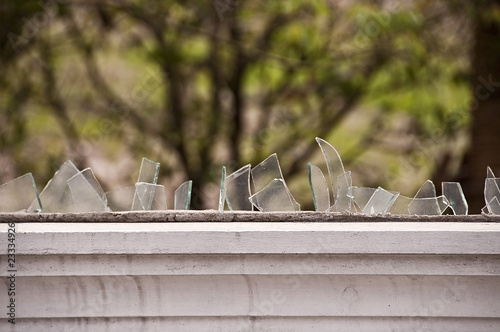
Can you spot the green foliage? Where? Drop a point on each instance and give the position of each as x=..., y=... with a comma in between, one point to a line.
x=202, y=84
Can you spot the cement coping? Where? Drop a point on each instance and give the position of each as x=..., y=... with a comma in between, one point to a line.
x=233, y=216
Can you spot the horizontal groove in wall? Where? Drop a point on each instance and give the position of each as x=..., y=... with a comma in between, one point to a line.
x=257, y=324
x=227, y=264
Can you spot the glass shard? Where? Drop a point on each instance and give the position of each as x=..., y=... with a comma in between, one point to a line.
x=455, y=195
x=355, y=208
x=380, y=202
x=222, y=192
x=159, y=198
x=489, y=173
x=238, y=190
x=150, y=196
x=148, y=174
x=268, y=171
x=149, y=171
x=428, y=206
x=56, y=196
x=319, y=188
x=343, y=202
x=121, y=199
x=333, y=163
x=361, y=195
x=182, y=196
x=274, y=197
x=427, y=190
x=20, y=194
x=400, y=205
x=87, y=193
x=491, y=191
x=296, y=205
x=265, y=172
x=493, y=206
x=143, y=197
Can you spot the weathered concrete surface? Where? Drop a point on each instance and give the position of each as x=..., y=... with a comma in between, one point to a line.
x=228, y=216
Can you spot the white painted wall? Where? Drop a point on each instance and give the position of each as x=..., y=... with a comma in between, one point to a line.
x=250, y=276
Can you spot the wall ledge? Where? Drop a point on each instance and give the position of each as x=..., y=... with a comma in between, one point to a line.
x=212, y=272
x=232, y=216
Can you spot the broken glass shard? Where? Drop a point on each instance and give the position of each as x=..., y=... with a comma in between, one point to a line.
x=148, y=174
x=492, y=206
x=56, y=196
x=361, y=195
x=491, y=191
x=150, y=196
x=296, y=205
x=443, y=203
x=400, y=205
x=222, y=192
x=143, y=197
x=355, y=208
x=159, y=198
x=87, y=193
x=19, y=194
x=455, y=195
x=149, y=171
x=274, y=197
x=380, y=202
x=489, y=173
x=182, y=196
x=343, y=202
x=428, y=206
x=121, y=199
x=319, y=188
x=333, y=163
x=238, y=190
x=268, y=171
x=427, y=190
x=154, y=194
x=265, y=172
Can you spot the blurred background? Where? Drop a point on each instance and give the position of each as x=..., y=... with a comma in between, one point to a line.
x=405, y=90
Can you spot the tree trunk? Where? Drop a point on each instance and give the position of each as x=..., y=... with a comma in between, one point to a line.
x=484, y=149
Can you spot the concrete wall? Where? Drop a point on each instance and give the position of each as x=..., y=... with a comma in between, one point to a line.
x=252, y=276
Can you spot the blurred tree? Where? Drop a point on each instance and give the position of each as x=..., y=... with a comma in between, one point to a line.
x=208, y=83
x=484, y=146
